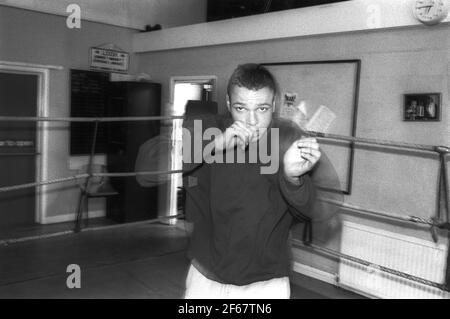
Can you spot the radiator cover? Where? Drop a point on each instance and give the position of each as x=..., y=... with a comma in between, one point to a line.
x=404, y=253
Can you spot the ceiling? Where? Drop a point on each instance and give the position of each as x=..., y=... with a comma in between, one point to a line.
x=137, y=14
x=128, y=13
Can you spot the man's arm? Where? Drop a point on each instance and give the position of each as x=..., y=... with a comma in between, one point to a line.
x=308, y=201
x=300, y=197
x=156, y=153
x=299, y=155
x=305, y=196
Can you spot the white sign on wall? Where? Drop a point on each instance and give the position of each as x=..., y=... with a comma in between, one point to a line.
x=109, y=60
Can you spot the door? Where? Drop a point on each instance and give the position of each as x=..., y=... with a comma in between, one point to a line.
x=184, y=89
x=18, y=97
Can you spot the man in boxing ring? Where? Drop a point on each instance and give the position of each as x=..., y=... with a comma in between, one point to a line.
x=241, y=208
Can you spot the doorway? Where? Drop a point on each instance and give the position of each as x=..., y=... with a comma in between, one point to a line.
x=184, y=89
x=18, y=150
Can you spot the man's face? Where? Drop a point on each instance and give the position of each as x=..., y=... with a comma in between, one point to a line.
x=254, y=108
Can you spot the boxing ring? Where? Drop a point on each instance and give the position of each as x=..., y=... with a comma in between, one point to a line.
x=438, y=221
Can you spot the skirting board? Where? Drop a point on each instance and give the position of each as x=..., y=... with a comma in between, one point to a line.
x=71, y=217
x=357, y=291
x=315, y=273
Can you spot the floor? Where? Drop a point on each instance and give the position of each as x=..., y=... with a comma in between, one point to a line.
x=133, y=261
x=38, y=230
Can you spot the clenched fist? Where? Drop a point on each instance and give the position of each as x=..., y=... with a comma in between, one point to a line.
x=300, y=158
x=238, y=134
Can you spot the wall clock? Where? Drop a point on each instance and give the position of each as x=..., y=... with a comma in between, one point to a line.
x=431, y=11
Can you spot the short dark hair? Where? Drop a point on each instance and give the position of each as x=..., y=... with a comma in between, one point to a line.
x=252, y=76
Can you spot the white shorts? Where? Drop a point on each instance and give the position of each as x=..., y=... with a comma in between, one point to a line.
x=200, y=287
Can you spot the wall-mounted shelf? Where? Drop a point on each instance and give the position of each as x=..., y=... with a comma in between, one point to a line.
x=349, y=16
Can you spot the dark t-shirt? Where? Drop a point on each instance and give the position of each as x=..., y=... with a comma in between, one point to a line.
x=241, y=217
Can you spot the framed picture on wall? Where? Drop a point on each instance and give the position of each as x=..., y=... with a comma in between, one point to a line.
x=322, y=96
x=422, y=107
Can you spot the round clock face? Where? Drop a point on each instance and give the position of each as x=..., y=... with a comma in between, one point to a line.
x=431, y=11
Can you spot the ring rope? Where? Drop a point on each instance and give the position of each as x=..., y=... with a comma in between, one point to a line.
x=391, y=271
x=361, y=140
x=376, y=142
x=129, y=174
x=42, y=183
x=80, y=176
x=71, y=231
x=412, y=219
x=87, y=119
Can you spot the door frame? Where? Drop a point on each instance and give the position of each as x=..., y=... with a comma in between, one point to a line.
x=172, y=199
x=42, y=104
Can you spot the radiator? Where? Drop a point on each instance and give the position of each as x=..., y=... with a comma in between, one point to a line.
x=411, y=255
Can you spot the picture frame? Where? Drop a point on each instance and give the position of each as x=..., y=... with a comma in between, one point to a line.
x=422, y=107
x=335, y=84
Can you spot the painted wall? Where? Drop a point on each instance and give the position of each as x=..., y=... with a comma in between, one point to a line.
x=394, y=62
x=34, y=37
x=27, y=36
x=127, y=13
